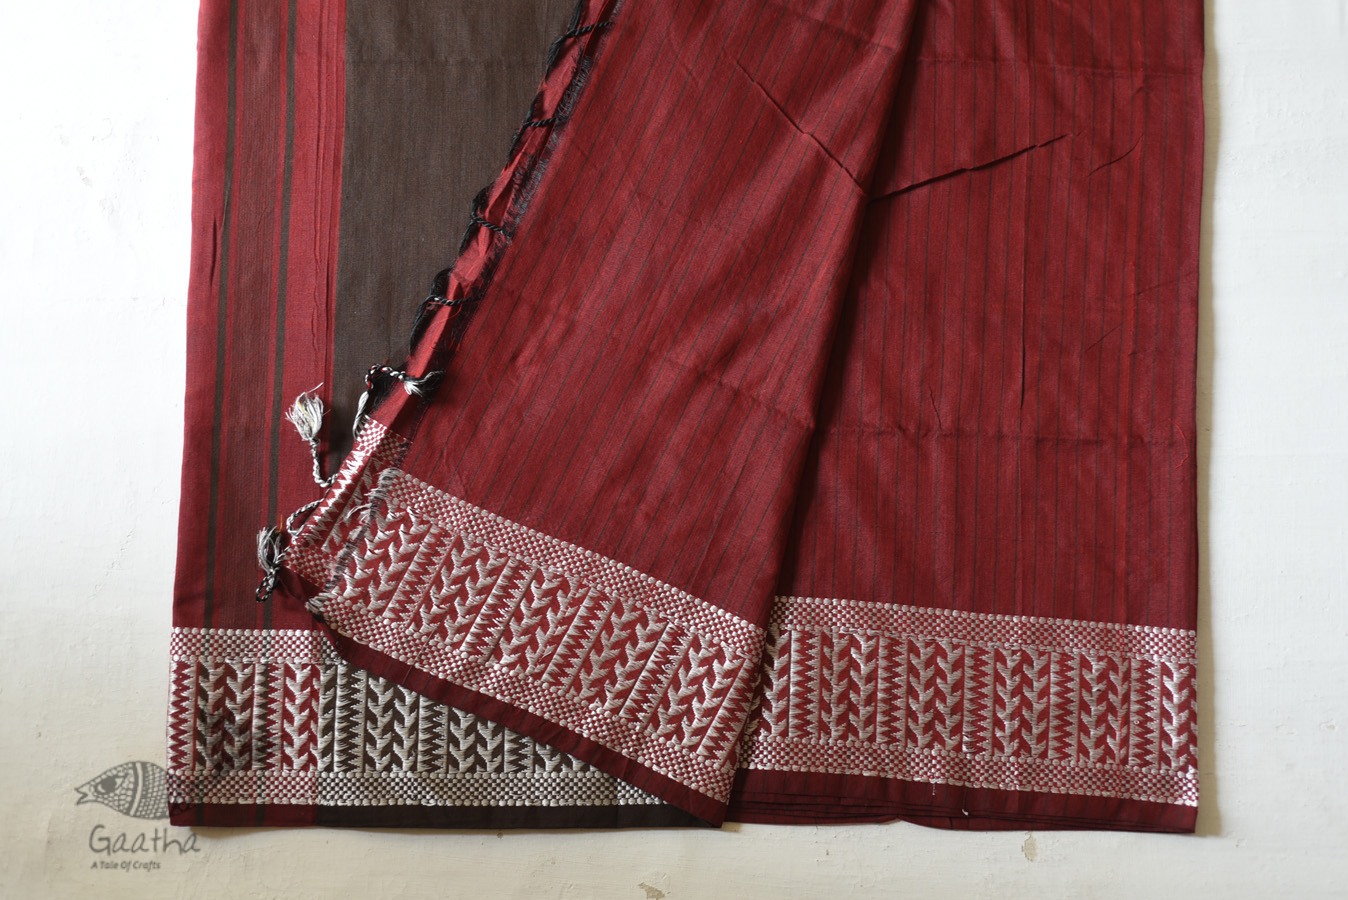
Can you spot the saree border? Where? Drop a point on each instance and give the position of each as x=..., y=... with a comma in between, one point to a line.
x=277, y=717
x=542, y=635
x=1013, y=703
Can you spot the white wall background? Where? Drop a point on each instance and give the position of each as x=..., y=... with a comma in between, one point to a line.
x=96, y=105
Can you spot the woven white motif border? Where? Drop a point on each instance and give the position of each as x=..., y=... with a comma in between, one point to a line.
x=276, y=717
x=326, y=531
x=567, y=635
x=849, y=687
x=1009, y=702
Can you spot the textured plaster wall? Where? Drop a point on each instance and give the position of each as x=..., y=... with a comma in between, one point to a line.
x=96, y=105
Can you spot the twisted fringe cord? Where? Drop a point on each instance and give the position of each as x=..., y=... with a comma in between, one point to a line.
x=415, y=387
x=307, y=412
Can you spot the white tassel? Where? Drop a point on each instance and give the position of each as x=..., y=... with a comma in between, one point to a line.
x=268, y=547
x=306, y=414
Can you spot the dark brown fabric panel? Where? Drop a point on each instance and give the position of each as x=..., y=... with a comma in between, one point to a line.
x=433, y=97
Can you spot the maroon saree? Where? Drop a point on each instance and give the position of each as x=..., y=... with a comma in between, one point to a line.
x=803, y=432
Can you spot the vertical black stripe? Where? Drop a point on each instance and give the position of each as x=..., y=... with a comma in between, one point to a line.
x=283, y=262
x=221, y=318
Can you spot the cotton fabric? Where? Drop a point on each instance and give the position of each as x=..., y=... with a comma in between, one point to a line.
x=813, y=441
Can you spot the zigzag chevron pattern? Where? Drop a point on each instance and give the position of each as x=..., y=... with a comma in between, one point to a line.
x=1007, y=702
x=848, y=687
x=277, y=717
x=607, y=652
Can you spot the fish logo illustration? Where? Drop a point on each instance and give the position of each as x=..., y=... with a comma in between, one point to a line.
x=134, y=789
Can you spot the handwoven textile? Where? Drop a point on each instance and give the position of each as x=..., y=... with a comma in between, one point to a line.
x=804, y=431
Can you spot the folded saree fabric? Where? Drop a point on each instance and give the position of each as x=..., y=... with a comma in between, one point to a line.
x=804, y=431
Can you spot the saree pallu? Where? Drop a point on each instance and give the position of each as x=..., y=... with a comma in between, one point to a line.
x=804, y=431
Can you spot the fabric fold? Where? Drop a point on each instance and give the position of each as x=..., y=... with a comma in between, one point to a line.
x=576, y=409
x=803, y=433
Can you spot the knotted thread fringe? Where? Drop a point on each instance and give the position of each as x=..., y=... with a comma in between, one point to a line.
x=307, y=412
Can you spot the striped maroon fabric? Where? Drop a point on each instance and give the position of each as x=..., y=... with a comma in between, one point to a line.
x=814, y=438
x=266, y=725
x=1007, y=436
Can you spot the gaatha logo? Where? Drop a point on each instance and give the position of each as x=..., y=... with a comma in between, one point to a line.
x=134, y=789
x=158, y=841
